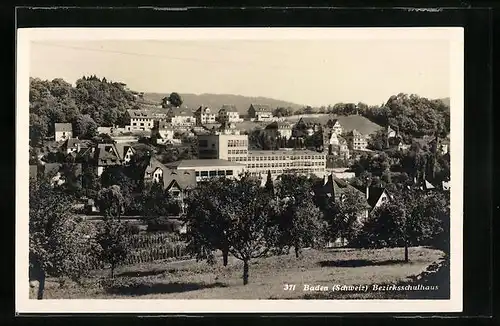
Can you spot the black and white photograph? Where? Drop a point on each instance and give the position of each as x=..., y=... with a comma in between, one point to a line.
x=239, y=169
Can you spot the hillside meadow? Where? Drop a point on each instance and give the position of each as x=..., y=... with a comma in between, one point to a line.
x=197, y=280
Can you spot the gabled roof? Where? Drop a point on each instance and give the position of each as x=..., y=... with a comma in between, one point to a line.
x=261, y=107
x=335, y=187
x=107, y=154
x=184, y=179
x=311, y=121
x=122, y=149
x=147, y=113
x=332, y=122
x=374, y=194
x=63, y=127
x=180, y=112
x=355, y=133
x=228, y=108
x=279, y=125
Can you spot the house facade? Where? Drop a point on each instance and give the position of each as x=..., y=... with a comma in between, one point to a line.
x=204, y=115
x=229, y=113
x=355, y=140
x=63, y=131
x=335, y=125
x=181, y=117
x=260, y=112
x=144, y=119
x=284, y=129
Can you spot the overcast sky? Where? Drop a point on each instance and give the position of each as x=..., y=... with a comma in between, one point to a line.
x=308, y=72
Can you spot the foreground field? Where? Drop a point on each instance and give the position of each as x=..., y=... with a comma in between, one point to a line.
x=268, y=276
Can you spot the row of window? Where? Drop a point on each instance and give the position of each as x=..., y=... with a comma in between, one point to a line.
x=283, y=158
x=259, y=174
x=214, y=173
x=237, y=143
x=279, y=165
x=141, y=124
x=237, y=151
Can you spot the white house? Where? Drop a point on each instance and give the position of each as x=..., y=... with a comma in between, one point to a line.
x=63, y=131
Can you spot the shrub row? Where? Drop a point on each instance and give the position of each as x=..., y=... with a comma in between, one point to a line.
x=143, y=241
x=171, y=250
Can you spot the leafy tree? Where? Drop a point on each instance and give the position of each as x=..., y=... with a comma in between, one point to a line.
x=114, y=241
x=378, y=140
x=283, y=112
x=236, y=218
x=111, y=202
x=412, y=218
x=175, y=99
x=265, y=139
x=298, y=218
x=38, y=129
x=60, y=244
x=345, y=215
x=85, y=127
x=157, y=203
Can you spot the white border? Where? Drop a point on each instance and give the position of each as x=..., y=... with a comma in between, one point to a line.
x=24, y=305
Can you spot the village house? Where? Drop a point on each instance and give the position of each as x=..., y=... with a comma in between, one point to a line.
x=125, y=152
x=337, y=188
x=63, y=131
x=284, y=129
x=204, y=115
x=181, y=116
x=376, y=197
x=308, y=126
x=355, y=140
x=162, y=133
x=260, y=112
x=143, y=119
x=335, y=125
x=337, y=145
x=58, y=172
x=176, y=182
x=75, y=145
x=229, y=113
x=106, y=155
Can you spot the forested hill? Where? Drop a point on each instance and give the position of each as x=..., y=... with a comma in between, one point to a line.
x=216, y=101
x=93, y=101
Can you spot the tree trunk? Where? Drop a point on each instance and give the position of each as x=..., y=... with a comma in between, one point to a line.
x=112, y=270
x=406, y=251
x=225, y=255
x=41, y=284
x=245, y=272
x=297, y=251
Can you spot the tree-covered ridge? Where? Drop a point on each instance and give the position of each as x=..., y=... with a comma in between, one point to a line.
x=105, y=102
x=412, y=115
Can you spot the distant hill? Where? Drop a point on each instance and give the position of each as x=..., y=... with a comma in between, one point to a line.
x=348, y=123
x=215, y=101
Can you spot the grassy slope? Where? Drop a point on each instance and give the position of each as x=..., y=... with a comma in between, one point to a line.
x=215, y=101
x=197, y=280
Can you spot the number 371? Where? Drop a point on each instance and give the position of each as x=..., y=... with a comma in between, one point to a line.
x=289, y=287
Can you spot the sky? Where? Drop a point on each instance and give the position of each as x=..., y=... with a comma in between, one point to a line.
x=308, y=72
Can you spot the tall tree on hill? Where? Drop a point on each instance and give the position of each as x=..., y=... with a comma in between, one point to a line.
x=175, y=99
x=111, y=202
